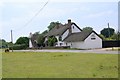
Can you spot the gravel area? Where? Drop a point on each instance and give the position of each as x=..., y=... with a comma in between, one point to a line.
x=101, y=51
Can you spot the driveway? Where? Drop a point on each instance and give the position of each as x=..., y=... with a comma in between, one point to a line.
x=101, y=51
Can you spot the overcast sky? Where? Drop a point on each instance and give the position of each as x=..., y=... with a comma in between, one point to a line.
x=15, y=14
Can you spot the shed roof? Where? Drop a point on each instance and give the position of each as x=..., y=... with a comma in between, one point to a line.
x=80, y=36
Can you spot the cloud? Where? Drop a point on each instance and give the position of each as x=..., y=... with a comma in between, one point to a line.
x=23, y=11
x=55, y=12
x=37, y=1
x=1, y=4
x=84, y=0
x=23, y=1
x=99, y=14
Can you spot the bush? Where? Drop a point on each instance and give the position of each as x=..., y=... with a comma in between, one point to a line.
x=52, y=40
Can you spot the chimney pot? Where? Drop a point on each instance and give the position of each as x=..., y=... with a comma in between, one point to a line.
x=69, y=26
x=69, y=21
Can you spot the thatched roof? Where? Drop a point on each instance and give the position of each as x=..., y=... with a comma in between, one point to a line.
x=59, y=29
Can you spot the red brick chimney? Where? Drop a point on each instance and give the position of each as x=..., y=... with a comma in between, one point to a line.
x=69, y=21
x=69, y=26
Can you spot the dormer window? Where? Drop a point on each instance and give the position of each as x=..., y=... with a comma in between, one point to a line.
x=73, y=27
x=60, y=38
x=93, y=38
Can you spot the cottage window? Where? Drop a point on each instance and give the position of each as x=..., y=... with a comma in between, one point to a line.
x=93, y=37
x=35, y=41
x=60, y=44
x=66, y=44
x=60, y=38
x=73, y=27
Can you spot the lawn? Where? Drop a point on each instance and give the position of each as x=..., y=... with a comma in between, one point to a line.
x=0, y=63
x=59, y=65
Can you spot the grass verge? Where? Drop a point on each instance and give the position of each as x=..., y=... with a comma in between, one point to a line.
x=59, y=65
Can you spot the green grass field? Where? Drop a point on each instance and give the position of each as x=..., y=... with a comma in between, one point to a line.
x=0, y=63
x=59, y=65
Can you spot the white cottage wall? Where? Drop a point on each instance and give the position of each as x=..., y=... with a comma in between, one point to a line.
x=95, y=43
x=60, y=43
x=79, y=45
x=46, y=39
x=75, y=29
x=87, y=43
x=30, y=44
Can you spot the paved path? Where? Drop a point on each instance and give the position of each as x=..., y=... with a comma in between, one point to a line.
x=102, y=51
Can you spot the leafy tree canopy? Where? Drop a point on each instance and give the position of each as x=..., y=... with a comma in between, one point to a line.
x=87, y=29
x=40, y=40
x=52, y=25
x=44, y=32
x=23, y=40
x=107, y=32
x=103, y=37
x=3, y=43
x=52, y=40
x=116, y=36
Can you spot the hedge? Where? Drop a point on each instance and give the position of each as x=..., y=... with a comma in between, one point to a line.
x=18, y=47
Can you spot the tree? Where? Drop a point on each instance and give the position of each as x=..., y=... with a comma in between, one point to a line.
x=40, y=40
x=52, y=25
x=23, y=40
x=3, y=43
x=44, y=32
x=103, y=37
x=107, y=32
x=51, y=41
x=87, y=29
x=10, y=44
x=36, y=33
x=116, y=36
x=3, y=40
